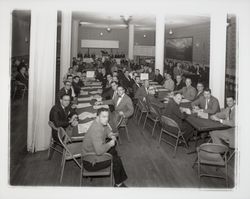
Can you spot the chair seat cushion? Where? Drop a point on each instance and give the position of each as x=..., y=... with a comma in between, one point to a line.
x=211, y=158
x=102, y=172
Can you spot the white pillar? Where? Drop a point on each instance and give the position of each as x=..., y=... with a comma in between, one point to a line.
x=65, y=61
x=42, y=73
x=159, y=43
x=217, y=70
x=131, y=41
x=74, y=38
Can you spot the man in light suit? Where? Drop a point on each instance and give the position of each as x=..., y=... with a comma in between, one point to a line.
x=200, y=90
x=137, y=84
x=123, y=106
x=208, y=103
x=227, y=117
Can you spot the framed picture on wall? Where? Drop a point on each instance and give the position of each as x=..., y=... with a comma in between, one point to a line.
x=179, y=48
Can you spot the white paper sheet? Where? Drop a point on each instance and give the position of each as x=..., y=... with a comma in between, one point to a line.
x=157, y=86
x=85, y=115
x=90, y=74
x=100, y=106
x=91, y=87
x=83, y=105
x=153, y=83
x=83, y=128
x=99, y=91
x=185, y=100
x=162, y=89
x=144, y=76
x=84, y=92
x=85, y=98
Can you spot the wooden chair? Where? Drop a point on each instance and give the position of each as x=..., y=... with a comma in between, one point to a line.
x=215, y=155
x=123, y=124
x=153, y=115
x=168, y=122
x=71, y=150
x=103, y=172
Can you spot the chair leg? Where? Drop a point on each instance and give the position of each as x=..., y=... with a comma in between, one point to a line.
x=14, y=94
x=160, y=137
x=111, y=174
x=226, y=178
x=145, y=121
x=23, y=95
x=230, y=156
x=62, y=170
x=176, y=145
x=49, y=150
x=199, y=173
x=119, y=139
x=184, y=140
x=126, y=129
x=153, y=130
x=140, y=118
x=81, y=175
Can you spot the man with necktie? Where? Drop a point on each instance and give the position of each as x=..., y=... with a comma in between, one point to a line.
x=207, y=103
x=227, y=117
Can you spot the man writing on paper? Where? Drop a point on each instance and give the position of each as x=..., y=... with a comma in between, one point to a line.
x=95, y=141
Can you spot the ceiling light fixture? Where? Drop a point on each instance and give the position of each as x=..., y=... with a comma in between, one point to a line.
x=144, y=36
x=101, y=34
x=170, y=31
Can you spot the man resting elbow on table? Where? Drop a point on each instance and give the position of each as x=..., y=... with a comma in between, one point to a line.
x=188, y=92
x=178, y=114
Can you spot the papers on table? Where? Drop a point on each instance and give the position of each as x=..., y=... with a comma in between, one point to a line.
x=100, y=106
x=84, y=92
x=144, y=76
x=153, y=83
x=83, y=105
x=96, y=83
x=90, y=74
x=185, y=101
x=162, y=89
x=157, y=86
x=83, y=128
x=99, y=91
x=85, y=115
x=91, y=87
x=85, y=98
x=202, y=115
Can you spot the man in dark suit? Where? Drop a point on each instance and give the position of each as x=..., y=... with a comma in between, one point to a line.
x=177, y=114
x=66, y=90
x=142, y=92
x=207, y=103
x=22, y=77
x=127, y=82
x=62, y=115
x=158, y=76
x=76, y=85
x=95, y=142
x=137, y=84
x=200, y=90
x=227, y=117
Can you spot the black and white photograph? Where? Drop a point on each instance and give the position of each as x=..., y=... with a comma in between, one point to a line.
x=125, y=99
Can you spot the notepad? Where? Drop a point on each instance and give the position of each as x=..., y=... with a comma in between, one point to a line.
x=202, y=115
x=85, y=115
x=83, y=128
x=185, y=100
x=90, y=74
x=144, y=76
x=83, y=105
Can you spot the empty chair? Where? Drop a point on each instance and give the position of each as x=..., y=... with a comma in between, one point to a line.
x=71, y=150
x=178, y=135
x=142, y=107
x=153, y=115
x=215, y=155
x=103, y=172
x=123, y=124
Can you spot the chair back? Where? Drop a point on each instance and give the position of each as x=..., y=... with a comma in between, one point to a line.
x=213, y=148
x=154, y=111
x=122, y=120
x=52, y=125
x=63, y=136
x=143, y=105
x=168, y=122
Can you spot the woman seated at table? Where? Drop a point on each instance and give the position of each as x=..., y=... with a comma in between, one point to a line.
x=178, y=114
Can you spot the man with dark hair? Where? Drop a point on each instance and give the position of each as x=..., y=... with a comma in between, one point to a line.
x=111, y=92
x=62, y=115
x=178, y=114
x=21, y=76
x=227, y=117
x=188, y=91
x=142, y=92
x=207, y=103
x=95, y=142
x=76, y=85
x=65, y=90
x=158, y=77
x=137, y=84
x=200, y=90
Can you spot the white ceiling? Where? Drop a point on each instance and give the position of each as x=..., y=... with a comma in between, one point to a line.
x=141, y=21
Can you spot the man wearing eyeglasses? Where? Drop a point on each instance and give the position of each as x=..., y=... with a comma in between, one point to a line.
x=65, y=90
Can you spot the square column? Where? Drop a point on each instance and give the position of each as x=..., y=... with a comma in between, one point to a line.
x=131, y=30
x=74, y=38
x=217, y=70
